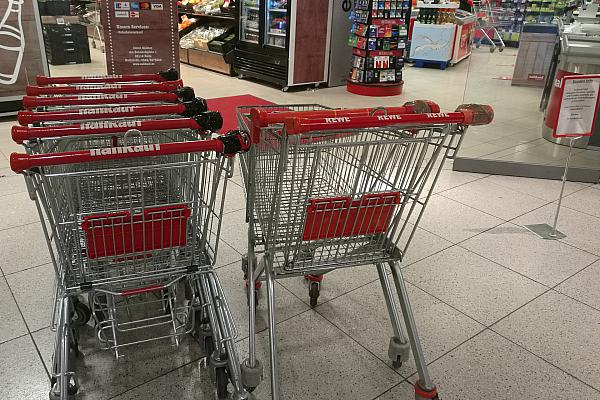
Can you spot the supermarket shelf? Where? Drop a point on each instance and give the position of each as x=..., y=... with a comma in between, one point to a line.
x=252, y=8
x=247, y=28
x=278, y=9
x=276, y=33
x=421, y=4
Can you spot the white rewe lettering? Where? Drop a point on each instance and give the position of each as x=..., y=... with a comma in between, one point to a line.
x=142, y=148
x=110, y=124
x=337, y=119
x=106, y=110
x=389, y=117
x=437, y=115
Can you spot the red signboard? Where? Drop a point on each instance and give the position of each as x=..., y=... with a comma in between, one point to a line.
x=579, y=99
x=141, y=36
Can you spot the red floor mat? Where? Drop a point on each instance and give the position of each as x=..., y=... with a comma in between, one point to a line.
x=227, y=107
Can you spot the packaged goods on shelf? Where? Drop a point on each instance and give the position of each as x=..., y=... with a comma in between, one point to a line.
x=186, y=22
x=199, y=37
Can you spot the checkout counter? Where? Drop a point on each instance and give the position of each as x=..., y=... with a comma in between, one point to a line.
x=579, y=54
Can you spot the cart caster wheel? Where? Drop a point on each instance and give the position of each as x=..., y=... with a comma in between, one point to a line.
x=422, y=394
x=492, y=49
x=313, y=293
x=477, y=45
x=221, y=383
x=55, y=395
x=81, y=313
x=284, y=89
x=501, y=49
x=398, y=352
x=251, y=376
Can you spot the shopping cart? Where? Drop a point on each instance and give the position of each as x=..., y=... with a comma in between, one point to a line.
x=132, y=226
x=79, y=113
x=183, y=94
x=119, y=87
x=170, y=74
x=336, y=190
x=490, y=18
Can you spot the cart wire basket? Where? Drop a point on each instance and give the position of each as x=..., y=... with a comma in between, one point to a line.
x=329, y=189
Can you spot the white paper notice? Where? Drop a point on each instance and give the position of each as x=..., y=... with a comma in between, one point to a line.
x=578, y=106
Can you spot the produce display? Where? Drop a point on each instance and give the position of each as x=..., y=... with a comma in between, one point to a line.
x=199, y=37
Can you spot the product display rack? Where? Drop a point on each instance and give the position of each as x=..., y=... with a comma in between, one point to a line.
x=378, y=39
x=218, y=61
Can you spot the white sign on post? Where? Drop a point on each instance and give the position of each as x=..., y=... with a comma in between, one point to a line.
x=578, y=105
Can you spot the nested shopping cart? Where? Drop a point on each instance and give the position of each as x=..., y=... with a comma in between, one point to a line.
x=170, y=74
x=132, y=224
x=121, y=111
x=104, y=87
x=328, y=190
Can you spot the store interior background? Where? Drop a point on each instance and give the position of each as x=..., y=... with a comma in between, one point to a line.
x=518, y=314
x=484, y=77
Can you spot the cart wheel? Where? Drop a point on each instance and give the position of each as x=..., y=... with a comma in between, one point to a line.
x=500, y=49
x=397, y=363
x=71, y=392
x=81, y=313
x=492, y=49
x=222, y=382
x=284, y=89
x=477, y=44
x=313, y=293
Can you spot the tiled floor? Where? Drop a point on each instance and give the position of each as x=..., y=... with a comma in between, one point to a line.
x=502, y=314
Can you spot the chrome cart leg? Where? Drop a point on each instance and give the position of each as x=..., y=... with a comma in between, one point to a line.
x=272, y=336
x=252, y=370
x=61, y=386
x=424, y=388
x=399, y=347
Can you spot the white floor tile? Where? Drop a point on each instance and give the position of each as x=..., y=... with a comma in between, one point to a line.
x=23, y=247
x=491, y=367
x=23, y=374
x=495, y=200
x=318, y=361
x=584, y=286
x=455, y=221
x=586, y=200
x=481, y=289
x=12, y=323
x=363, y=315
x=561, y=331
x=546, y=261
x=546, y=189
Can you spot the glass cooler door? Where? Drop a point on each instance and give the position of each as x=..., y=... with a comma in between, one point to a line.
x=276, y=23
x=249, y=20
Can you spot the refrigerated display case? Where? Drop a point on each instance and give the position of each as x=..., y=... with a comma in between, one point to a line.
x=282, y=43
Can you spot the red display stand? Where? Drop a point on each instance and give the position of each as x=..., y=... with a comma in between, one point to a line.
x=375, y=89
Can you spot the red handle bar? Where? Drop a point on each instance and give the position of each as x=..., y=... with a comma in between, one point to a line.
x=229, y=144
x=168, y=75
x=263, y=117
x=468, y=114
x=23, y=133
x=167, y=86
x=92, y=99
x=187, y=109
x=205, y=121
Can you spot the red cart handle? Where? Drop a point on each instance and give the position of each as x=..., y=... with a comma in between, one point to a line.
x=169, y=75
x=185, y=93
x=261, y=117
x=167, y=86
x=187, y=109
x=229, y=144
x=466, y=114
x=207, y=121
